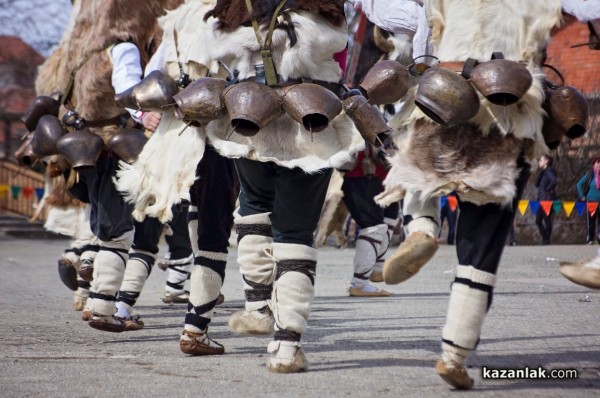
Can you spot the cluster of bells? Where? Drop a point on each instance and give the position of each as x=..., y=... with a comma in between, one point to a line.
x=80, y=147
x=445, y=96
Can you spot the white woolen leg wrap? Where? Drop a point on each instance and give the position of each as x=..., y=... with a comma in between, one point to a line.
x=293, y=290
x=386, y=237
x=368, y=246
x=109, y=269
x=137, y=270
x=469, y=300
x=205, y=286
x=177, y=273
x=256, y=266
x=425, y=214
x=193, y=227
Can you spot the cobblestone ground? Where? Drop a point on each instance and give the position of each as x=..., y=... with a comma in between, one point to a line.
x=356, y=347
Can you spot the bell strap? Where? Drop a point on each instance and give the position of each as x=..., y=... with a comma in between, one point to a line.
x=265, y=49
x=119, y=120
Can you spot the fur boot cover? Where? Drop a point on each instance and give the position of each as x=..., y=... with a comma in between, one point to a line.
x=478, y=158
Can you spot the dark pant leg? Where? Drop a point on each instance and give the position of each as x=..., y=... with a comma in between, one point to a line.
x=179, y=242
x=110, y=215
x=257, y=186
x=215, y=194
x=299, y=199
x=481, y=231
x=358, y=198
x=591, y=225
x=147, y=235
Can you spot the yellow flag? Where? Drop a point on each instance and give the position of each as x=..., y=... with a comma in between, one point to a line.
x=523, y=204
x=568, y=206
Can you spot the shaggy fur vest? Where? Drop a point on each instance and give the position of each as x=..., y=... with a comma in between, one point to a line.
x=478, y=158
x=202, y=48
x=285, y=142
x=98, y=24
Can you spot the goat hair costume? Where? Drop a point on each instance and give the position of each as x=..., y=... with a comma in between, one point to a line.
x=478, y=157
x=306, y=37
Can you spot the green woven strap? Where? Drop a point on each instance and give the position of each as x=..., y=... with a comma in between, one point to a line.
x=265, y=49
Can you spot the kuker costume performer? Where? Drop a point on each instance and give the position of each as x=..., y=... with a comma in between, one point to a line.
x=477, y=137
x=283, y=154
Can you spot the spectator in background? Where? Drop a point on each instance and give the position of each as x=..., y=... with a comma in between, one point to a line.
x=588, y=188
x=546, y=185
x=446, y=213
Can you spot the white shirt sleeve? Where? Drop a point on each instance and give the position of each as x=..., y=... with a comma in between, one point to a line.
x=583, y=10
x=127, y=67
x=396, y=16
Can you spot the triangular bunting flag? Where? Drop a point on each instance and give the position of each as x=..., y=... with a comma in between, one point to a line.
x=592, y=207
x=443, y=201
x=39, y=193
x=580, y=207
x=556, y=206
x=15, y=191
x=453, y=203
x=27, y=192
x=523, y=204
x=546, y=206
x=534, y=206
x=568, y=206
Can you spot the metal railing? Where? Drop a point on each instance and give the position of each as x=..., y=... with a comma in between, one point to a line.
x=21, y=196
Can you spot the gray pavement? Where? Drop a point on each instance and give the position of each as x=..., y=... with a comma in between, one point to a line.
x=382, y=347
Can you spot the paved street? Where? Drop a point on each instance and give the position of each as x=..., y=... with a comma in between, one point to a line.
x=383, y=347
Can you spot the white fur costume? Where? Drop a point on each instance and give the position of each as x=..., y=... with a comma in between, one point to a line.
x=284, y=142
x=457, y=35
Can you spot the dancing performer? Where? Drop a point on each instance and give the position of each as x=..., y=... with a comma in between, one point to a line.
x=283, y=166
x=105, y=34
x=482, y=146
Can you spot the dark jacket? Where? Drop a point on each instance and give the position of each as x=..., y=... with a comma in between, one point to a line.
x=546, y=184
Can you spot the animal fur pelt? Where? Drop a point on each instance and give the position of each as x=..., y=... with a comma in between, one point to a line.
x=99, y=24
x=164, y=171
x=333, y=214
x=476, y=29
x=231, y=14
x=284, y=141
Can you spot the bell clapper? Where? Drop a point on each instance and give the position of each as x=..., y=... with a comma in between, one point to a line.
x=187, y=124
x=228, y=136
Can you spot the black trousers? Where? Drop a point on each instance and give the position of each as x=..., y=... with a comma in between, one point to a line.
x=214, y=193
x=544, y=224
x=179, y=243
x=358, y=198
x=591, y=223
x=293, y=197
x=481, y=231
x=110, y=216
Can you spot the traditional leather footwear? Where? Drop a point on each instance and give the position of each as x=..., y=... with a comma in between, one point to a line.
x=86, y=270
x=584, y=272
x=220, y=299
x=79, y=302
x=86, y=315
x=173, y=298
x=132, y=323
x=457, y=376
x=368, y=291
x=260, y=321
x=199, y=344
x=411, y=256
x=107, y=323
x=286, y=357
x=376, y=277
